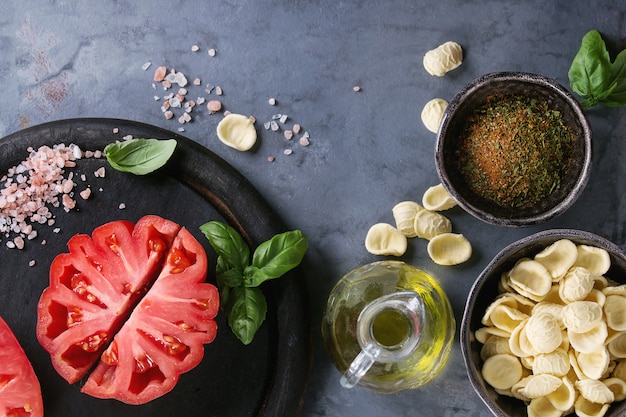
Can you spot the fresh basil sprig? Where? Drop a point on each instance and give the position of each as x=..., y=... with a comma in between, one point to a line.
x=594, y=77
x=238, y=277
x=139, y=156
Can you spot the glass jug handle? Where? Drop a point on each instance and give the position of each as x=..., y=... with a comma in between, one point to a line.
x=360, y=365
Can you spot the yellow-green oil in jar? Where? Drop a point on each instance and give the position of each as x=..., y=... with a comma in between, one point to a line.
x=430, y=335
x=390, y=327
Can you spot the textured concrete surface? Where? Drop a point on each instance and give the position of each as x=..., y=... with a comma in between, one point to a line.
x=368, y=149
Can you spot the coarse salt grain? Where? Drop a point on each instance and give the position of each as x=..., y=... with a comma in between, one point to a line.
x=100, y=173
x=34, y=184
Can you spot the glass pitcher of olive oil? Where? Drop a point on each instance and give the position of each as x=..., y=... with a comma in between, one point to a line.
x=388, y=326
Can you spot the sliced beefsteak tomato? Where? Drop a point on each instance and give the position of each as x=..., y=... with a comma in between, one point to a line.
x=20, y=393
x=164, y=335
x=134, y=301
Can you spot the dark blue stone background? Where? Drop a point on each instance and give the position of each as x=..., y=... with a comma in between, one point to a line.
x=368, y=150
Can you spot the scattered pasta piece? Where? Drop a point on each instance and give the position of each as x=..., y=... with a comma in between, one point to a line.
x=429, y=224
x=384, y=239
x=404, y=214
x=237, y=131
x=444, y=58
x=449, y=249
x=436, y=198
x=432, y=113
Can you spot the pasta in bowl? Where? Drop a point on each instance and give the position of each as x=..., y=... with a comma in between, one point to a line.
x=544, y=328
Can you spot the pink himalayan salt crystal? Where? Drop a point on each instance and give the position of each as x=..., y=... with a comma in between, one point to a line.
x=29, y=188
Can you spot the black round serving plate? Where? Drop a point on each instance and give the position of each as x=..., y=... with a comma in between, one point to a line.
x=266, y=378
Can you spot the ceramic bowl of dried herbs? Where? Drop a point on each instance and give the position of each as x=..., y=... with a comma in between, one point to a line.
x=504, y=335
x=514, y=149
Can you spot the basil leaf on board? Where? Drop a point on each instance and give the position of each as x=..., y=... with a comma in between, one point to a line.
x=226, y=276
x=275, y=257
x=228, y=244
x=246, y=312
x=139, y=156
x=243, y=303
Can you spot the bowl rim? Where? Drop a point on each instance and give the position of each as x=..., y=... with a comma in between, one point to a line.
x=503, y=258
x=518, y=77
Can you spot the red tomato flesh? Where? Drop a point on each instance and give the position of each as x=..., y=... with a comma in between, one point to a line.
x=132, y=302
x=20, y=393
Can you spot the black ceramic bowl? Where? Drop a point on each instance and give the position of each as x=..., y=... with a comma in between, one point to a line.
x=485, y=290
x=577, y=169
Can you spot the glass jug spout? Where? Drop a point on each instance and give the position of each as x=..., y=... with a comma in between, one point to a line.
x=388, y=330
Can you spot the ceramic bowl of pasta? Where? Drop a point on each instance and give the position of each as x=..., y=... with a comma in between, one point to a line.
x=544, y=328
x=514, y=149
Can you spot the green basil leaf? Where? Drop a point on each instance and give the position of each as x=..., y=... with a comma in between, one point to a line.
x=228, y=244
x=139, y=156
x=617, y=97
x=590, y=71
x=230, y=277
x=273, y=258
x=246, y=312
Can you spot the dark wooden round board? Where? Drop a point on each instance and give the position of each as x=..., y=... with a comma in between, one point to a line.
x=266, y=378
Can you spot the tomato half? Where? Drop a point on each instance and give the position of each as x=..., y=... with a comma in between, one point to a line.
x=20, y=393
x=164, y=335
x=133, y=300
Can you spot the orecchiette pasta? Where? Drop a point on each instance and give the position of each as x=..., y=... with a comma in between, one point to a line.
x=432, y=113
x=237, y=131
x=429, y=224
x=384, y=239
x=436, y=198
x=569, y=335
x=449, y=249
x=444, y=58
x=404, y=214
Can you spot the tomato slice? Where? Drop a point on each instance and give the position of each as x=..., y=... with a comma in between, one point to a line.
x=94, y=287
x=164, y=335
x=20, y=393
x=129, y=303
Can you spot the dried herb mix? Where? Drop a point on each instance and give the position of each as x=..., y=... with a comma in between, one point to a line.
x=513, y=150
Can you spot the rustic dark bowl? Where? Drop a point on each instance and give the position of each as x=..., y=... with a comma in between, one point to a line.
x=473, y=96
x=485, y=290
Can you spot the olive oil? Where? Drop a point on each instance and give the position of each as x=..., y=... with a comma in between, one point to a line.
x=390, y=327
x=397, y=317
